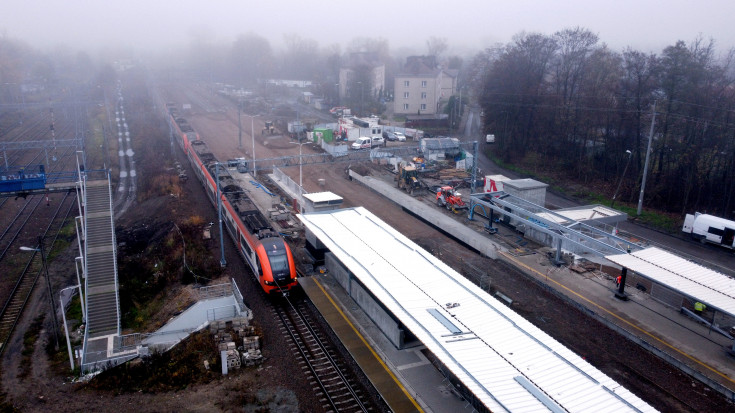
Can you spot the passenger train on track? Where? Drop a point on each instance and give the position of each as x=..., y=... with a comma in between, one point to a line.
x=263, y=248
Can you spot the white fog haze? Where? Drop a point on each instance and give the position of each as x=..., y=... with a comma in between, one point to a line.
x=367, y=206
x=466, y=25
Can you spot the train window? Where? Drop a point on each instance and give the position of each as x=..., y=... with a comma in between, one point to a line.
x=716, y=231
x=260, y=268
x=245, y=246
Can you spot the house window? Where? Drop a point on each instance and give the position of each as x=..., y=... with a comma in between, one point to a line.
x=423, y=95
x=423, y=106
x=405, y=106
x=405, y=83
x=423, y=83
x=405, y=95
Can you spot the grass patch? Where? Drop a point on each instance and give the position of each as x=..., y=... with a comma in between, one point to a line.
x=74, y=313
x=29, y=343
x=656, y=219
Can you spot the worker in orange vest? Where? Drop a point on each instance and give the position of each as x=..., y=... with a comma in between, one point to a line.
x=618, y=280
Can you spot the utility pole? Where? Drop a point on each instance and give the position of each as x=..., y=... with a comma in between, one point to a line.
x=252, y=135
x=474, y=167
x=645, y=166
x=239, y=124
x=222, y=262
x=44, y=264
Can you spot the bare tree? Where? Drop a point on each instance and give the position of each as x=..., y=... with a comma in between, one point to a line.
x=251, y=58
x=436, y=46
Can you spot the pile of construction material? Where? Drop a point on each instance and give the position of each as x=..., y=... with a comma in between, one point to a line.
x=227, y=334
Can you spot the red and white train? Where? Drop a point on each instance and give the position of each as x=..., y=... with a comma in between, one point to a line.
x=263, y=248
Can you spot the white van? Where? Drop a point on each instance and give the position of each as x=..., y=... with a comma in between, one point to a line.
x=489, y=138
x=362, y=143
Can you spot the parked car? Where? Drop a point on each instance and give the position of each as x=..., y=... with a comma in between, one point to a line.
x=399, y=137
x=362, y=143
x=378, y=141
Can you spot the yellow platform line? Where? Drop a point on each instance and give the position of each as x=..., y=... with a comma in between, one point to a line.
x=626, y=322
x=352, y=326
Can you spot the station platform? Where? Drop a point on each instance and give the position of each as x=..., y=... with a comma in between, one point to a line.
x=405, y=379
x=661, y=329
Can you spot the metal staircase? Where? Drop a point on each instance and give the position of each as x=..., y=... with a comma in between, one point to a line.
x=100, y=267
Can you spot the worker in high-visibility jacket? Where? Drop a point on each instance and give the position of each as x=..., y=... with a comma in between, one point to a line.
x=699, y=307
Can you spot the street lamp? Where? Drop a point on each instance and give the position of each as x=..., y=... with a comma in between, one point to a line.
x=223, y=261
x=630, y=155
x=48, y=284
x=301, y=175
x=252, y=135
x=361, y=98
x=239, y=124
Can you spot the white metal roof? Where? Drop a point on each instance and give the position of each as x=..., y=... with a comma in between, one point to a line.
x=705, y=285
x=509, y=364
x=580, y=214
x=326, y=196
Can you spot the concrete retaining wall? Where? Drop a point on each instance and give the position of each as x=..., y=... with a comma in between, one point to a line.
x=433, y=215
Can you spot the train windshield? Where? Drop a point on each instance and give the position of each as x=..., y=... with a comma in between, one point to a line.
x=279, y=262
x=278, y=257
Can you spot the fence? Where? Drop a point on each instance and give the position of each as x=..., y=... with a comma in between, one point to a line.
x=214, y=291
x=290, y=185
x=335, y=150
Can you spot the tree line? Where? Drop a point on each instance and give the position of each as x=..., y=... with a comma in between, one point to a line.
x=574, y=105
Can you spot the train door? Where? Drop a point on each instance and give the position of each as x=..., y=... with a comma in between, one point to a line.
x=248, y=253
x=728, y=237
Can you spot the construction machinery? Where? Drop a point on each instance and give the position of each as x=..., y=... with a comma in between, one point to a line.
x=447, y=197
x=408, y=178
x=269, y=129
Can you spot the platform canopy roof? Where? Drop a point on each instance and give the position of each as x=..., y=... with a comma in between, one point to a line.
x=712, y=288
x=504, y=360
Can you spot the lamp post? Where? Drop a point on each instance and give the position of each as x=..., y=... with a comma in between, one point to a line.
x=252, y=135
x=222, y=262
x=630, y=155
x=239, y=124
x=48, y=284
x=301, y=175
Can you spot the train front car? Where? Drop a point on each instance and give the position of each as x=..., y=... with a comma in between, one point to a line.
x=277, y=266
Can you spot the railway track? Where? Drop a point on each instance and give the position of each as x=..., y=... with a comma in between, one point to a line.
x=338, y=392
x=13, y=307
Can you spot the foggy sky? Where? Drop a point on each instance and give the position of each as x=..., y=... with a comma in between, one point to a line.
x=646, y=25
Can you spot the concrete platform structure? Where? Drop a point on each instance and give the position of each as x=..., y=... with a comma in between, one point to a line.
x=652, y=323
x=500, y=361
